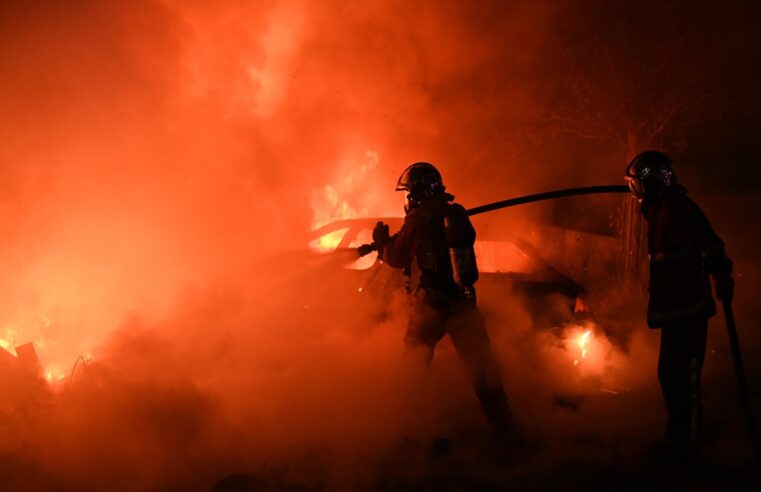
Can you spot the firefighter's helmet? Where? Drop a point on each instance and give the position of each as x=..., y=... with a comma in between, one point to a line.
x=420, y=180
x=650, y=174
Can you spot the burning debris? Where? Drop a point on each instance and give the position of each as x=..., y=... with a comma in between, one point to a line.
x=582, y=343
x=332, y=203
x=24, y=362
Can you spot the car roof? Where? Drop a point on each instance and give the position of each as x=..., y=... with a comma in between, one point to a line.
x=505, y=238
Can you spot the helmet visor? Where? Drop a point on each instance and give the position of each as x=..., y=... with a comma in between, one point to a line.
x=636, y=187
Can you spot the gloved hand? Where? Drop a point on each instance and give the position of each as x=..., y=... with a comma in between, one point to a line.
x=380, y=235
x=725, y=285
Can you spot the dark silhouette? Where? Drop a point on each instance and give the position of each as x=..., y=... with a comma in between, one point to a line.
x=438, y=237
x=683, y=250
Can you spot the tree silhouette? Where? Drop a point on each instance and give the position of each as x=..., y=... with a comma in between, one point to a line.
x=639, y=75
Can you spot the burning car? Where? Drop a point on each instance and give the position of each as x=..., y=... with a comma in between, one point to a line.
x=508, y=265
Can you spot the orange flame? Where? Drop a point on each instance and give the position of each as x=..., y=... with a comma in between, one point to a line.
x=582, y=342
x=331, y=203
x=348, y=197
x=328, y=242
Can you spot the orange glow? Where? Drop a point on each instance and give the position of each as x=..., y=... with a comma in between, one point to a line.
x=36, y=331
x=328, y=242
x=501, y=256
x=353, y=194
x=331, y=203
x=587, y=347
x=580, y=306
x=162, y=163
x=7, y=343
x=582, y=342
x=54, y=375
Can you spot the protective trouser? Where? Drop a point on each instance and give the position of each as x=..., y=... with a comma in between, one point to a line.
x=431, y=317
x=682, y=352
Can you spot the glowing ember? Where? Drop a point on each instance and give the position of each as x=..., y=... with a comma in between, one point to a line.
x=8, y=340
x=54, y=375
x=580, y=306
x=582, y=344
x=35, y=331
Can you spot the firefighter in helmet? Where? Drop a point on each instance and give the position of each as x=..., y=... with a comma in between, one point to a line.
x=684, y=251
x=435, y=247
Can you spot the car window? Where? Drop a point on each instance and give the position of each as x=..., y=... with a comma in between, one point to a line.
x=327, y=243
x=355, y=236
x=492, y=256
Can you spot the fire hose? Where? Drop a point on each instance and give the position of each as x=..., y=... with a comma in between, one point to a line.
x=366, y=249
x=734, y=344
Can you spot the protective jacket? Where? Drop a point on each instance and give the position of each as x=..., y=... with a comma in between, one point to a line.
x=422, y=238
x=683, y=250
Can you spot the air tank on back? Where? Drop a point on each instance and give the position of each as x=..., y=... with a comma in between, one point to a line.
x=460, y=237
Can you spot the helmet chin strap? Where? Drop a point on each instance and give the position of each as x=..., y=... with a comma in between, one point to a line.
x=411, y=204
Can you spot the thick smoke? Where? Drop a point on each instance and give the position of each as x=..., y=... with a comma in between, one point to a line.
x=162, y=163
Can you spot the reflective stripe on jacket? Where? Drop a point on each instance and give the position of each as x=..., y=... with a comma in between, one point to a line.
x=683, y=249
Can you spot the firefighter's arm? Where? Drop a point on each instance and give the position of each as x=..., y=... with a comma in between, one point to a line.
x=399, y=250
x=716, y=261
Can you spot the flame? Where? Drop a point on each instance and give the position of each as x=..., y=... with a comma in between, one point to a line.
x=54, y=367
x=331, y=203
x=9, y=340
x=580, y=306
x=328, y=242
x=598, y=363
x=582, y=342
x=349, y=197
x=588, y=348
x=54, y=375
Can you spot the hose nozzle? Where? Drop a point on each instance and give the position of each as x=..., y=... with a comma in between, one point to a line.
x=366, y=249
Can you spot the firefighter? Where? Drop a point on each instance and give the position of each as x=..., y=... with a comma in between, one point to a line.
x=435, y=246
x=683, y=251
